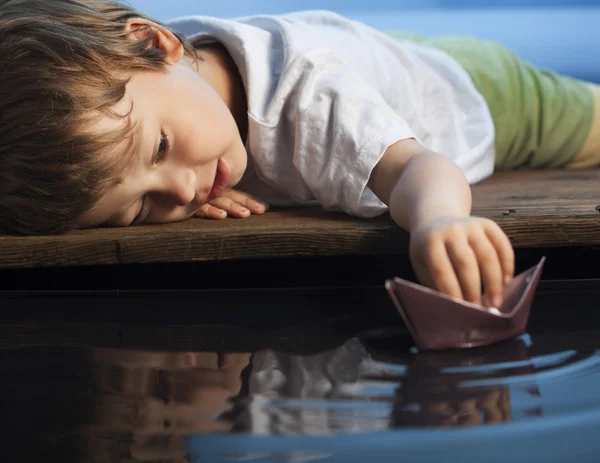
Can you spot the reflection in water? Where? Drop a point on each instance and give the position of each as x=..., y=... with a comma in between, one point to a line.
x=432, y=391
x=105, y=405
x=353, y=390
x=159, y=399
x=118, y=405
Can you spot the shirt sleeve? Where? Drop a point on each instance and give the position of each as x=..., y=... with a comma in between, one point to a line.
x=342, y=127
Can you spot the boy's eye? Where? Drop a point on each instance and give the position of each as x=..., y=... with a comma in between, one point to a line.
x=163, y=147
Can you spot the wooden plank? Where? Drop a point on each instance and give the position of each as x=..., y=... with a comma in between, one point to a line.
x=551, y=208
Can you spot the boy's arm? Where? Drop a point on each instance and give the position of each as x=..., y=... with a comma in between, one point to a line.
x=428, y=195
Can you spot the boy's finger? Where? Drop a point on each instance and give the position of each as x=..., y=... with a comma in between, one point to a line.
x=466, y=267
x=230, y=206
x=246, y=200
x=491, y=270
x=503, y=246
x=441, y=271
x=208, y=211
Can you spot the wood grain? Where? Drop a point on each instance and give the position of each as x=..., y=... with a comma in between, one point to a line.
x=551, y=208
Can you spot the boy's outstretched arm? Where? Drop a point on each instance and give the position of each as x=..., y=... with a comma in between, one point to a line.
x=428, y=195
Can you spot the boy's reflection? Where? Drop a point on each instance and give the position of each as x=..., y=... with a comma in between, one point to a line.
x=157, y=400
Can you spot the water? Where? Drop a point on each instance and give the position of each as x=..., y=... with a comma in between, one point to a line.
x=342, y=386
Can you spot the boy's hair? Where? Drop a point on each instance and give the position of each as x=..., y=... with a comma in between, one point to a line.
x=62, y=63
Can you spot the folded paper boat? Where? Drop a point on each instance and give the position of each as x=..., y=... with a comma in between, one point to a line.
x=437, y=321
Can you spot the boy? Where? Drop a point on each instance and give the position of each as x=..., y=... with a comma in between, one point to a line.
x=109, y=118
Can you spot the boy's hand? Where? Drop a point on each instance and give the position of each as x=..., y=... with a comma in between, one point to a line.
x=455, y=254
x=231, y=202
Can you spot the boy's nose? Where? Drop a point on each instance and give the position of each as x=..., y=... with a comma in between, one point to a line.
x=180, y=186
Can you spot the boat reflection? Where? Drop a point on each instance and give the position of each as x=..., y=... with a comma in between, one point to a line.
x=435, y=392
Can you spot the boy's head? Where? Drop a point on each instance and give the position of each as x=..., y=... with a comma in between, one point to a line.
x=93, y=93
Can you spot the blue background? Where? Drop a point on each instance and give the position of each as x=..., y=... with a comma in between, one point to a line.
x=228, y=8
x=558, y=34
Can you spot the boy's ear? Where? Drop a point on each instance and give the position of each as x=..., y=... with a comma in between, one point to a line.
x=163, y=38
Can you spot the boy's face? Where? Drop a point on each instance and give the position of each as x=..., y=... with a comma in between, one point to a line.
x=186, y=148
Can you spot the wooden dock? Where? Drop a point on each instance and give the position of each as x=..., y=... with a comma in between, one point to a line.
x=536, y=209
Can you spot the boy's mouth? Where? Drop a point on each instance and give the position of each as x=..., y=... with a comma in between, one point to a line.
x=221, y=180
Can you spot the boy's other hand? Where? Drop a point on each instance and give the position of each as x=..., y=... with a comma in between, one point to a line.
x=233, y=203
x=455, y=255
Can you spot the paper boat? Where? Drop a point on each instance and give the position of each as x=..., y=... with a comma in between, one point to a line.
x=437, y=321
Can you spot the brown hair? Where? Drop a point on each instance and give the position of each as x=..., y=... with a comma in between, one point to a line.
x=61, y=63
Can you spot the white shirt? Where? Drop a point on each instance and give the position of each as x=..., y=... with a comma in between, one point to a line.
x=327, y=96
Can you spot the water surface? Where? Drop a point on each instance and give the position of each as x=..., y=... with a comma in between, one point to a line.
x=334, y=387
